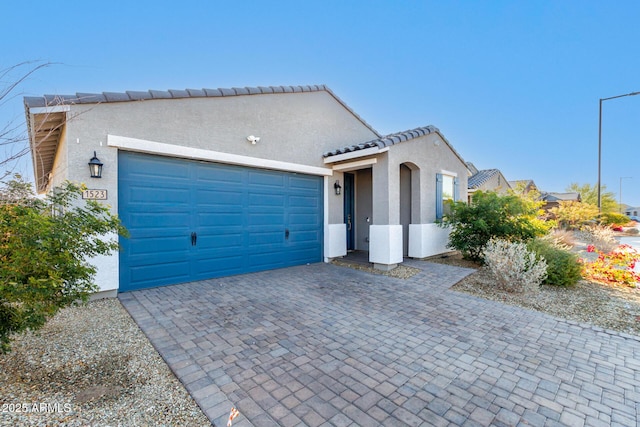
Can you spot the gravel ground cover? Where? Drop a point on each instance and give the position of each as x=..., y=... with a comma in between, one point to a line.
x=609, y=307
x=91, y=366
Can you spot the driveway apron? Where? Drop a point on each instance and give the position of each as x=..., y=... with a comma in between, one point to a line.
x=328, y=345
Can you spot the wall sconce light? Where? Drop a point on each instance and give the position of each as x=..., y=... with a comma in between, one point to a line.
x=253, y=139
x=337, y=187
x=95, y=166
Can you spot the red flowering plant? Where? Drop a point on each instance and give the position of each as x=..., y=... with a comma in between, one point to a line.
x=615, y=267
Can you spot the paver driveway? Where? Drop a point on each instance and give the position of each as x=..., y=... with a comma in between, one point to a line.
x=328, y=345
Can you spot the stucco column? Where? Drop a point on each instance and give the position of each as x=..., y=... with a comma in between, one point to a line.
x=385, y=235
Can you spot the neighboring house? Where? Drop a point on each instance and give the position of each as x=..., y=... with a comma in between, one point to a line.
x=632, y=211
x=523, y=186
x=552, y=200
x=217, y=182
x=486, y=180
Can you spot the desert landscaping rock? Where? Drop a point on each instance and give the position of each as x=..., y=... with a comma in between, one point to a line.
x=91, y=366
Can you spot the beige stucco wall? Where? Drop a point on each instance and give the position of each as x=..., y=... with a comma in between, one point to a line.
x=496, y=183
x=427, y=156
x=293, y=127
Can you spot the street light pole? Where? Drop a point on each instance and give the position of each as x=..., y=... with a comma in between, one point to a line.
x=600, y=143
x=620, y=204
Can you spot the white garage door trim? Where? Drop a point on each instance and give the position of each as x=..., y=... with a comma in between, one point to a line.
x=172, y=150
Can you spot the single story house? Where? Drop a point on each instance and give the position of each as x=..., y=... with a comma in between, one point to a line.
x=218, y=182
x=552, y=200
x=486, y=180
x=523, y=186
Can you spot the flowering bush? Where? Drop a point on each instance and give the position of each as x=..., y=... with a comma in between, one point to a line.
x=615, y=267
x=514, y=266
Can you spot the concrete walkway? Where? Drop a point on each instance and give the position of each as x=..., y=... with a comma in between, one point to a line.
x=323, y=345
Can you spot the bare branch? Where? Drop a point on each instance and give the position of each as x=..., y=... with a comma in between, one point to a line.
x=12, y=137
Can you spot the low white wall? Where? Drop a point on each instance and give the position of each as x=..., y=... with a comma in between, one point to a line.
x=385, y=244
x=107, y=276
x=427, y=240
x=335, y=241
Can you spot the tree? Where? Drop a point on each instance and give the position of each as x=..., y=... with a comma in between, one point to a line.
x=45, y=245
x=572, y=214
x=490, y=215
x=13, y=139
x=589, y=195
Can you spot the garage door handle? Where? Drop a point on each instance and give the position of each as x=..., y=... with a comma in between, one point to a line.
x=286, y=234
x=194, y=239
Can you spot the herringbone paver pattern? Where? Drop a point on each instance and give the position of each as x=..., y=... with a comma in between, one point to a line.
x=323, y=345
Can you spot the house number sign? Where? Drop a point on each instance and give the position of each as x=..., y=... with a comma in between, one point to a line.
x=94, y=194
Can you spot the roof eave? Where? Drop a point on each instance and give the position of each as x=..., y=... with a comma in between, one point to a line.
x=44, y=130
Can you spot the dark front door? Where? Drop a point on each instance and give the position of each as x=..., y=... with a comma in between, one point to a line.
x=349, y=209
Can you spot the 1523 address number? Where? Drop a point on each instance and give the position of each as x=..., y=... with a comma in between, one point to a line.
x=94, y=194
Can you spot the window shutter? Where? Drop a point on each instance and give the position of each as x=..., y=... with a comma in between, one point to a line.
x=439, y=204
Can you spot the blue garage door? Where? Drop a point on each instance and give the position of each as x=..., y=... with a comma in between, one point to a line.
x=192, y=220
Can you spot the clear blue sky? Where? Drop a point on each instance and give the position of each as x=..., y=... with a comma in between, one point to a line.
x=513, y=85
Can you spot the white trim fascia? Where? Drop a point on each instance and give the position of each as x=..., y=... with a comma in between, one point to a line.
x=50, y=110
x=360, y=164
x=172, y=150
x=445, y=172
x=325, y=221
x=355, y=154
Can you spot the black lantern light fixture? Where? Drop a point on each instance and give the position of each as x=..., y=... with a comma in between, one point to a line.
x=337, y=187
x=95, y=166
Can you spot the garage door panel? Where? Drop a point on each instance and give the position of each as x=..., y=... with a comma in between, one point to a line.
x=240, y=216
x=304, y=236
x=303, y=219
x=219, y=199
x=226, y=241
x=303, y=202
x=166, y=221
x=303, y=182
x=303, y=255
x=266, y=219
x=258, y=200
x=261, y=238
x=162, y=274
x=264, y=179
x=221, y=219
x=265, y=260
x=223, y=174
x=146, y=195
x=158, y=245
x=155, y=168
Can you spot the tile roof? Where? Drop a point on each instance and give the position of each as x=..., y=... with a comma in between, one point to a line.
x=43, y=106
x=130, y=95
x=385, y=141
x=558, y=197
x=472, y=168
x=479, y=178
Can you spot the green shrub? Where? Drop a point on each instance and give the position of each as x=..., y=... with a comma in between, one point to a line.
x=613, y=218
x=490, y=215
x=45, y=250
x=563, y=267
